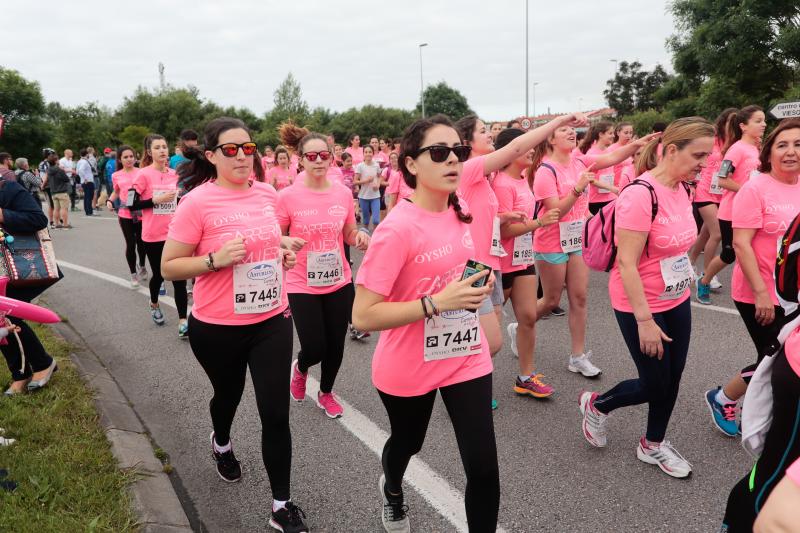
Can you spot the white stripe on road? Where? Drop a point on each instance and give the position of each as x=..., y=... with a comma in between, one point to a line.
x=436, y=490
x=726, y=310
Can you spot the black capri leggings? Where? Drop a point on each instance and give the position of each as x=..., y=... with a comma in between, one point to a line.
x=133, y=242
x=469, y=406
x=225, y=353
x=154, y=250
x=765, y=338
x=781, y=448
x=728, y=254
x=321, y=322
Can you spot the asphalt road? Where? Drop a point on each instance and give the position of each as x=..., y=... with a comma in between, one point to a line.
x=551, y=479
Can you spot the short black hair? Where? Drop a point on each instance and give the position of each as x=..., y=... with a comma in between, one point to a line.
x=189, y=135
x=84, y=152
x=4, y=156
x=659, y=127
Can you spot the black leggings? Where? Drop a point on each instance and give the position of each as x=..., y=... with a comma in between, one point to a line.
x=728, y=254
x=765, y=338
x=469, y=407
x=321, y=322
x=225, y=353
x=154, y=250
x=781, y=449
x=659, y=379
x=133, y=242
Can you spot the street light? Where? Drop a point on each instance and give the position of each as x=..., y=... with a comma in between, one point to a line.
x=534, y=100
x=526, y=61
x=616, y=65
x=421, y=85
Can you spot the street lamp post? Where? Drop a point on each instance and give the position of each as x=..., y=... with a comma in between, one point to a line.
x=534, y=100
x=527, y=109
x=421, y=84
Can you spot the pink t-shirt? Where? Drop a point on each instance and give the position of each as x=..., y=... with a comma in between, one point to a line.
x=415, y=253
x=512, y=195
x=619, y=167
x=703, y=189
x=627, y=175
x=745, y=160
x=208, y=217
x=281, y=177
x=334, y=175
x=769, y=206
x=792, y=350
x=478, y=193
x=599, y=195
x=793, y=472
x=267, y=162
x=122, y=182
x=147, y=180
x=347, y=177
x=318, y=217
x=397, y=185
x=671, y=235
x=294, y=162
x=381, y=158
x=357, y=153
x=547, y=185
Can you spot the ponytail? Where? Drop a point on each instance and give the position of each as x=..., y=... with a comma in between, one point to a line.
x=679, y=133
x=594, y=133
x=733, y=130
x=452, y=199
x=197, y=170
x=537, y=156
x=648, y=158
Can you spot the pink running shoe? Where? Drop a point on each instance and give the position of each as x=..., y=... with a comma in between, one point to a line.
x=297, y=386
x=533, y=386
x=327, y=402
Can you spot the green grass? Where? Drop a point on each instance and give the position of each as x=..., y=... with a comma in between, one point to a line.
x=68, y=478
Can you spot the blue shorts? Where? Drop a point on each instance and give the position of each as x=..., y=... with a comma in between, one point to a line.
x=557, y=258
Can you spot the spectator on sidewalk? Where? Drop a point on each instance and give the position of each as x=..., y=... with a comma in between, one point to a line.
x=43, y=168
x=5, y=167
x=29, y=181
x=111, y=167
x=101, y=179
x=95, y=174
x=68, y=166
x=59, y=188
x=84, y=171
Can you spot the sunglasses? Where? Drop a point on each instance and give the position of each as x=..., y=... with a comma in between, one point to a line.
x=232, y=149
x=312, y=156
x=440, y=153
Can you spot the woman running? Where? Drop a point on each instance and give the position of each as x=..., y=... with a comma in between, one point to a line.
x=597, y=142
x=410, y=287
x=355, y=150
x=762, y=211
x=268, y=161
x=129, y=221
x=743, y=138
x=560, y=182
x=156, y=187
x=281, y=175
x=514, y=196
x=226, y=235
x=317, y=213
x=397, y=189
x=368, y=178
x=649, y=289
x=707, y=198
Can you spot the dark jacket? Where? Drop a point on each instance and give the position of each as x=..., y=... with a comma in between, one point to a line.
x=21, y=213
x=57, y=179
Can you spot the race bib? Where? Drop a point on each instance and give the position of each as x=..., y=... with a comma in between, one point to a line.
x=324, y=269
x=452, y=334
x=571, y=235
x=167, y=208
x=715, y=187
x=523, y=250
x=257, y=287
x=677, y=274
x=496, y=249
x=607, y=180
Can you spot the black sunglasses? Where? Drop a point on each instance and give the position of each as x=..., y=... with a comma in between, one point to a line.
x=440, y=153
x=231, y=149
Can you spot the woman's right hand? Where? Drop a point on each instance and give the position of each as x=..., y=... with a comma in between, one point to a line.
x=650, y=339
x=460, y=294
x=587, y=177
x=165, y=197
x=765, y=310
x=231, y=253
x=551, y=216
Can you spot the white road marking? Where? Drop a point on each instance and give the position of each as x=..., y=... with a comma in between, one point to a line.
x=436, y=490
x=726, y=310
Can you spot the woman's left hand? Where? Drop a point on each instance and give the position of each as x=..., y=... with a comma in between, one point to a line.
x=362, y=240
x=289, y=259
x=765, y=310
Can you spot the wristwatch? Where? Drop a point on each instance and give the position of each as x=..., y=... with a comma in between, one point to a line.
x=210, y=263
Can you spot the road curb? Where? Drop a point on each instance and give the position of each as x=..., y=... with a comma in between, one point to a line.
x=154, y=499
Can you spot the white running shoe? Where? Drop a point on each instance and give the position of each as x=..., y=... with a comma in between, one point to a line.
x=512, y=332
x=715, y=285
x=134, y=281
x=6, y=442
x=665, y=457
x=583, y=365
x=143, y=273
x=594, y=422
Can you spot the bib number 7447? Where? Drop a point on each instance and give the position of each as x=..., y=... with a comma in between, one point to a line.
x=452, y=334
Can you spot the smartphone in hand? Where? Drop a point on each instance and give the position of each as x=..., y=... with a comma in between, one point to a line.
x=473, y=267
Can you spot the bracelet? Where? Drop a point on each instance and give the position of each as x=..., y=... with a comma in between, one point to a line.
x=539, y=223
x=425, y=311
x=365, y=230
x=210, y=262
x=645, y=320
x=576, y=192
x=433, y=305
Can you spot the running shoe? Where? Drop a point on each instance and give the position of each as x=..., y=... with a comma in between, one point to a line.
x=360, y=335
x=297, y=385
x=583, y=365
x=533, y=386
x=512, y=333
x=158, y=316
x=227, y=466
x=142, y=273
x=134, y=281
x=703, y=293
x=163, y=289
x=394, y=516
x=328, y=402
x=594, y=422
x=558, y=311
x=723, y=415
x=183, y=329
x=289, y=519
x=715, y=284
x=665, y=457
x=353, y=331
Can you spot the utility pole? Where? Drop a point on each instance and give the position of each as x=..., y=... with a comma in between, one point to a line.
x=421, y=84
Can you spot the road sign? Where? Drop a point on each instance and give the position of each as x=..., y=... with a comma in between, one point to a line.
x=786, y=110
x=526, y=123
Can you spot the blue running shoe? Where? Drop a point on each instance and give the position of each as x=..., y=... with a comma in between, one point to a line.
x=163, y=289
x=703, y=293
x=724, y=416
x=157, y=315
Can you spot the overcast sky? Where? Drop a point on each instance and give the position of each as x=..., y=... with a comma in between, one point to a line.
x=344, y=53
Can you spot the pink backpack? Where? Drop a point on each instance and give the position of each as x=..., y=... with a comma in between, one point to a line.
x=599, y=248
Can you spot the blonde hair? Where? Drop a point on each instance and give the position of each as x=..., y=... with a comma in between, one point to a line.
x=680, y=132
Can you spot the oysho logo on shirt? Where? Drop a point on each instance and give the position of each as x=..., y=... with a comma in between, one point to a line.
x=780, y=208
x=337, y=211
x=434, y=255
x=226, y=219
x=262, y=272
x=304, y=213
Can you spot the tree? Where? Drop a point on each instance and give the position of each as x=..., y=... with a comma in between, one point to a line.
x=81, y=126
x=289, y=103
x=165, y=111
x=370, y=121
x=134, y=136
x=634, y=89
x=25, y=131
x=441, y=98
x=732, y=53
